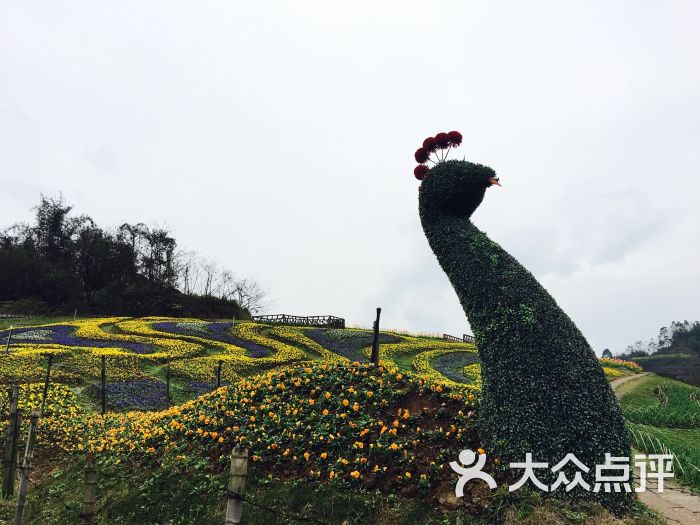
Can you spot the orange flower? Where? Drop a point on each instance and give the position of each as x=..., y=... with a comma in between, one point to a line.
x=355, y=474
x=324, y=455
x=345, y=402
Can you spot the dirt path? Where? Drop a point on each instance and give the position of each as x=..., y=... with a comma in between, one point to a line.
x=678, y=505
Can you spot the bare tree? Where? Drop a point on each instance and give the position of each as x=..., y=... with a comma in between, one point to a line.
x=250, y=295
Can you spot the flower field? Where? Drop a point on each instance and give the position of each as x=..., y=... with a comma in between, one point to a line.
x=305, y=402
x=139, y=353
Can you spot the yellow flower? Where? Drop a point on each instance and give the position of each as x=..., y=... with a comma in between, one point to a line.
x=408, y=475
x=481, y=451
x=345, y=402
x=355, y=474
x=311, y=402
x=324, y=455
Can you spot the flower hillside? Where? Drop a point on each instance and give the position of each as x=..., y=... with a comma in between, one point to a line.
x=57, y=425
x=378, y=427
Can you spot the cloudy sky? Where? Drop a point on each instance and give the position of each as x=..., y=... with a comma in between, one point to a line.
x=277, y=138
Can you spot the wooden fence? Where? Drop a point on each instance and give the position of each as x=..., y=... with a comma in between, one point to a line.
x=466, y=338
x=328, y=321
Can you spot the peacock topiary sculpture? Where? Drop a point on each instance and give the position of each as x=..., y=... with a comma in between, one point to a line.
x=544, y=391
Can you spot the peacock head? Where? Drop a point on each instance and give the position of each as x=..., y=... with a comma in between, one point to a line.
x=450, y=187
x=455, y=187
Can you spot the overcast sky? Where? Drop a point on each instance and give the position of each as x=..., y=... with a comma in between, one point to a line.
x=277, y=138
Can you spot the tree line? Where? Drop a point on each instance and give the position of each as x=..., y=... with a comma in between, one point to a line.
x=61, y=262
x=680, y=337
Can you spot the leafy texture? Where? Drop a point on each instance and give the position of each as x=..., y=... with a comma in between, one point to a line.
x=543, y=389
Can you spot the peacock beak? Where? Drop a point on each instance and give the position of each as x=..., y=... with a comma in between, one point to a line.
x=494, y=180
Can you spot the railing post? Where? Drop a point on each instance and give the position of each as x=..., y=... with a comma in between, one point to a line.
x=236, y=486
x=218, y=373
x=87, y=512
x=26, y=467
x=375, y=339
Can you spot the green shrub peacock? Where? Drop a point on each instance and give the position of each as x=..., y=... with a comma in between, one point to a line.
x=544, y=391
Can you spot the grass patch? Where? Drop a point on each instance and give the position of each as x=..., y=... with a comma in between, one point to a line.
x=190, y=492
x=654, y=400
x=662, y=416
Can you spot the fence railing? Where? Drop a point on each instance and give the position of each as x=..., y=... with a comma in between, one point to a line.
x=329, y=321
x=466, y=338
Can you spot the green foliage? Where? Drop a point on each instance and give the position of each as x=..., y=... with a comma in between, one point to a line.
x=61, y=262
x=664, y=403
x=664, y=416
x=543, y=389
x=681, y=442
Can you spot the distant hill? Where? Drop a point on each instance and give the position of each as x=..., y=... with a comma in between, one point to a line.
x=675, y=354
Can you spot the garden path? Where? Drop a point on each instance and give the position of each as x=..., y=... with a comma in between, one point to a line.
x=678, y=505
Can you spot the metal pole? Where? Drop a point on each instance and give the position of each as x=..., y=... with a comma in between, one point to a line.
x=167, y=383
x=46, y=383
x=375, y=339
x=9, y=340
x=103, y=381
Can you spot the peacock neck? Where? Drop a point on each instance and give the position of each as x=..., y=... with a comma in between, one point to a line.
x=469, y=258
x=497, y=293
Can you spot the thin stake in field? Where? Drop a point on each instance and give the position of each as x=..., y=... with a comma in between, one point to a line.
x=46, y=383
x=167, y=383
x=9, y=340
x=375, y=339
x=26, y=467
x=103, y=384
x=9, y=470
x=218, y=373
